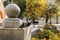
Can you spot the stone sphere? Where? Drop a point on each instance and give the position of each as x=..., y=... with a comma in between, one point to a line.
x=12, y=10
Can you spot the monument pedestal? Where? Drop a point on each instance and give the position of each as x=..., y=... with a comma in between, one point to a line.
x=15, y=33
x=11, y=31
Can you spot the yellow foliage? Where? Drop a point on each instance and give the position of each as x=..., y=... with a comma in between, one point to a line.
x=36, y=6
x=34, y=38
x=42, y=2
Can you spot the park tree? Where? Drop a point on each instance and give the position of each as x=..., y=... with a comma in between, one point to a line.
x=35, y=8
x=51, y=10
x=58, y=7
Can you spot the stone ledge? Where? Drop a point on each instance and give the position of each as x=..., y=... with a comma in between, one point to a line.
x=0, y=24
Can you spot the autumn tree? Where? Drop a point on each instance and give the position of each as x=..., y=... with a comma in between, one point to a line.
x=35, y=8
x=58, y=7
x=50, y=11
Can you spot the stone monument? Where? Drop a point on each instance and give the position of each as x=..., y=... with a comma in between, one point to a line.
x=12, y=11
x=11, y=24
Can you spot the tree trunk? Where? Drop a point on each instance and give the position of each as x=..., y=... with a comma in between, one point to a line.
x=57, y=18
x=50, y=18
x=46, y=19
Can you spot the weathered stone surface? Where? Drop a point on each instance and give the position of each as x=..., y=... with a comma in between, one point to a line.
x=12, y=10
x=12, y=23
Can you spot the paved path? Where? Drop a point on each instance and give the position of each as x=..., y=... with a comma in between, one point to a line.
x=53, y=21
x=33, y=29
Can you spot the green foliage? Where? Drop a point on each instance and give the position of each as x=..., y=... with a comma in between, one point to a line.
x=22, y=5
x=50, y=27
x=35, y=8
x=49, y=33
x=5, y=3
